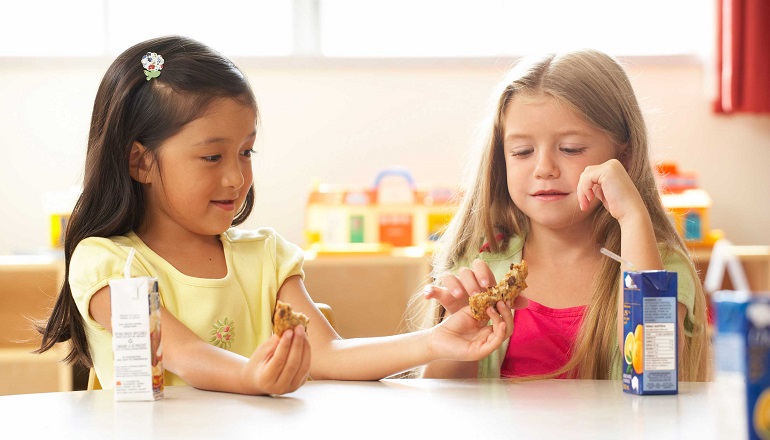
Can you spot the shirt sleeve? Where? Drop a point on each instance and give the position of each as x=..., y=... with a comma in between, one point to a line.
x=289, y=259
x=94, y=263
x=675, y=261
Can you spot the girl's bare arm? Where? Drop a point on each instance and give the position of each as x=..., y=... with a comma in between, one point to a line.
x=278, y=366
x=460, y=337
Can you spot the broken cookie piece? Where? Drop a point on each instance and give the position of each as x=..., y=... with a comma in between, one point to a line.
x=285, y=318
x=506, y=290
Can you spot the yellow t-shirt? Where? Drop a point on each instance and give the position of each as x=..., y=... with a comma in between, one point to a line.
x=234, y=313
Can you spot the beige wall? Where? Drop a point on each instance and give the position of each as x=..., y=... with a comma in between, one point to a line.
x=343, y=123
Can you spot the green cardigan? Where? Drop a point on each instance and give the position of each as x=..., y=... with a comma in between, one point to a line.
x=500, y=263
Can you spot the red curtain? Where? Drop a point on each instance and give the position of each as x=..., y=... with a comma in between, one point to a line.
x=743, y=56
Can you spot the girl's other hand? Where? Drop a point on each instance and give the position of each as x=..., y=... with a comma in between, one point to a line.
x=461, y=337
x=280, y=365
x=610, y=183
x=456, y=289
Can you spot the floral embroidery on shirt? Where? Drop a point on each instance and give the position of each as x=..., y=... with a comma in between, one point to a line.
x=223, y=333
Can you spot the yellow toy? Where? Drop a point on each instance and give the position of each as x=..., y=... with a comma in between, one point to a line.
x=688, y=206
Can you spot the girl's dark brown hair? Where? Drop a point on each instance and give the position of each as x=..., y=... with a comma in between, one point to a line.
x=128, y=108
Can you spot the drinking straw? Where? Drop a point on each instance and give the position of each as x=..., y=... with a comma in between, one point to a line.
x=619, y=259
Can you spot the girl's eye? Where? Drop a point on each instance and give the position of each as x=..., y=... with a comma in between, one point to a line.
x=213, y=158
x=248, y=153
x=521, y=152
x=572, y=150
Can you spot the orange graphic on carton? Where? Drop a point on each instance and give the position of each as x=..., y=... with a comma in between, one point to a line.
x=633, y=350
x=639, y=349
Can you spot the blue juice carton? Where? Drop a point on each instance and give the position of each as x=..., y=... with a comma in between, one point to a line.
x=754, y=327
x=730, y=327
x=650, y=346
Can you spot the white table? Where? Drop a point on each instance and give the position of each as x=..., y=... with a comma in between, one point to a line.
x=399, y=408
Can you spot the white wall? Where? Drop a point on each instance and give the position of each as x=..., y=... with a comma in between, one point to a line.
x=342, y=124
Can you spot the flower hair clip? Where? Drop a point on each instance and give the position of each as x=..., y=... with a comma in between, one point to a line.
x=153, y=64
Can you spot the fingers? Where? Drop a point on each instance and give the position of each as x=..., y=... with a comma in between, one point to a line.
x=469, y=280
x=284, y=362
x=507, y=317
x=445, y=298
x=586, y=188
x=501, y=313
x=294, y=372
x=483, y=273
x=609, y=183
x=591, y=181
x=273, y=364
x=453, y=285
x=267, y=350
x=597, y=191
x=502, y=324
x=457, y=288
x=442, y=294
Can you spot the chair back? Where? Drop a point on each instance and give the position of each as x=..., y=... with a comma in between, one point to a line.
x=28, y=289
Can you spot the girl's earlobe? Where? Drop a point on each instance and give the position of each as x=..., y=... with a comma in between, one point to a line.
x=140, y=163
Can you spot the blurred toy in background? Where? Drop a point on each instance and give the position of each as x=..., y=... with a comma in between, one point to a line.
x=393, y=212
x=58, y=206
x=672, y=180
x=396, y=196
x=687, y=204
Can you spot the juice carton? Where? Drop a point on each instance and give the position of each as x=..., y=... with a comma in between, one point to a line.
x=730, y=332
x=136, y=343
x=757, y=331
x=650, y=328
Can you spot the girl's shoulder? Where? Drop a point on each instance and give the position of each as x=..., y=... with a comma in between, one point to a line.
x=97, y=259
x=500, y=262
x=259, y=240
x=679, y=261
x=511, y=251
x=672, y=255
x=259, y=236
x=238, y=235
x=106, y=245
x=265, y=248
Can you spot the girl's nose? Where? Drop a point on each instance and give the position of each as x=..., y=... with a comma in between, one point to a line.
x=546, y=167
x=233, y=176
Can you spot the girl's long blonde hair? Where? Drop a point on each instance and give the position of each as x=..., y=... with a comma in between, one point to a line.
x=595, y=86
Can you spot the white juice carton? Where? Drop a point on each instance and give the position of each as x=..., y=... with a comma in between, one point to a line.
x=136, y=343
x=650, y=355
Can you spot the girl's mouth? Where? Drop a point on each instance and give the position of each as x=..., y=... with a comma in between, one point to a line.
x=549, y=195
x=227, y=205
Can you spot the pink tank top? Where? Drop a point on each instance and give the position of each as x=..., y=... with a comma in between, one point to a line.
x=542, y=340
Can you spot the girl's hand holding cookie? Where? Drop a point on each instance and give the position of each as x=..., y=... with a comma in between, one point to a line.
x=463, y=338
x=457, y=289
x=279, y=366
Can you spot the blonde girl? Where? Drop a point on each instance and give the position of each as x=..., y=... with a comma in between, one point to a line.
x=563, y=171
x=168, y=173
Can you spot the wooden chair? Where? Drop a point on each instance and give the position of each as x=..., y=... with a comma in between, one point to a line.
x=28, y=288
x=328, y=313
x=93, y=381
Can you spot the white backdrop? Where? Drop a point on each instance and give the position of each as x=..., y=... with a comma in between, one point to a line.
x=343, y=123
